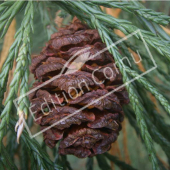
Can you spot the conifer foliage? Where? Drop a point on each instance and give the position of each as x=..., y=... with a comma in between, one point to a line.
x=148, y=101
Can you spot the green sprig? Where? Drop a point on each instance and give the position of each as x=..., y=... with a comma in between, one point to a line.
x=9, y=11
x=21, y=70
x=34, y=150
x=102, y=162
x=89, y=163
x=131, y=7
x=150, y=88
x=119, y=163
x=6, y=159
x=49, y=24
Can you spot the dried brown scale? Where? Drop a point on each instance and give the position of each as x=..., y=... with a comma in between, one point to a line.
x=85, y=137
x=36, y=61
x=107, y=120
x=51, y=136
x=88, y=132
x=37, y=103
x=56, y=60
x=33, y=93
x=76, y=80
x=50, y=143
x=105, y=144
x=72, y=28
x=105, y=72
x=79, y=39
x=54, y=134
x=68, y=31
x=52, y=64
x=59, y=113
x=92, y=53
x=118, y=116
x=62, y=33
x=123, y=97
x=110, y=102
x=116, y=88
x=96, y=141
x=121, y=93
x=44, y=94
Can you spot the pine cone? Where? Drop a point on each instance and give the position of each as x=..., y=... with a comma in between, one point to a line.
x=92, y=130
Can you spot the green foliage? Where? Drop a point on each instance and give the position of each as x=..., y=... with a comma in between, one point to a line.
x=141, y=113
x=150, y=88
x=133, y=7
x=49, y=25
x=103, y=163
x=34, y=151
x=21, y=50
x=8, y=11
x=119, y=163
x=6, y=159
x=63, y=162
x=89, y=164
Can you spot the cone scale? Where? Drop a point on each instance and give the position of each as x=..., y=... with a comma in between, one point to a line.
x=85, y=78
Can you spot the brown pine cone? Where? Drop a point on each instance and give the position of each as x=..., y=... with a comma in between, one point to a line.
x=91, y=130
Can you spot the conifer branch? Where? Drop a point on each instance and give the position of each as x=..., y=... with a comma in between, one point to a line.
x=150, y=88
x=9, y=11
x=24, y=157
x=131, y=117
x=124, y=48
x=89, y=164
x=23, y=46
x=152, y=25
x=102, y=162
x=13, y=52
x=49, y=25
x=153, y=114
x=131, y=7
x=25, y=56
x=156, y=135
x=34, y=150
x=119, y=163
x=7, y=66
x=6, y=159
x=63, y=162
x=159, y=138
x=158, y=129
